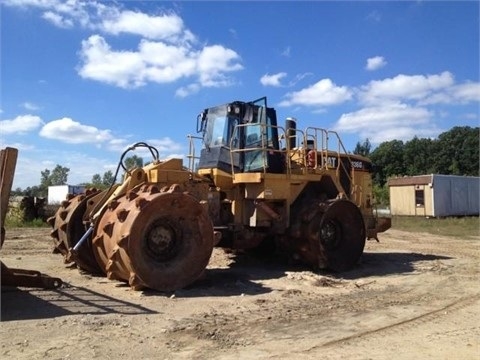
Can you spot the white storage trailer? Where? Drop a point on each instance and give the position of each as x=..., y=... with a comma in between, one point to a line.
x=58, y=193
x=434, y=195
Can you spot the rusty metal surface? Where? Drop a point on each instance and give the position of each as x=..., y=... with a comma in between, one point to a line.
x=28, y=278
x=328, y=234
x=381, y=224
x=68, y=228
x=156, y=238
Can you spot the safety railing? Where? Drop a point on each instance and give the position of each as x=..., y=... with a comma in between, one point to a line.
x=313, y=147
x=192, y=156
x=260, y=149
x=341, y=149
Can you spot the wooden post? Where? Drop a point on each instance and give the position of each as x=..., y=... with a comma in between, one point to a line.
x=8, y=161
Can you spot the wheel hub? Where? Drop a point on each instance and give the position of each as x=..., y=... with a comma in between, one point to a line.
x=329, y=234
x=162, y=242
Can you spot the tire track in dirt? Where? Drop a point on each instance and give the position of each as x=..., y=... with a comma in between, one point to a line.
x=428, y=316
x=289, y=316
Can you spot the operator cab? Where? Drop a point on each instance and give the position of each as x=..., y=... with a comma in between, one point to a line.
x=238, y=136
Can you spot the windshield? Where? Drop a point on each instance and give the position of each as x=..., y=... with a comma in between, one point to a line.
x=219, y=127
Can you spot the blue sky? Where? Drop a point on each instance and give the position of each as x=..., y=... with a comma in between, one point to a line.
x=82, y=80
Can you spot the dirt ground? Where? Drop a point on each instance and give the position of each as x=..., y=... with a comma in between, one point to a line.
x=413, y=296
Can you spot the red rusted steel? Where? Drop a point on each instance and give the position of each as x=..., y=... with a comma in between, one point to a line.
x=68, y=228
x=328, y=234
x=28, y=278
x=160, y=239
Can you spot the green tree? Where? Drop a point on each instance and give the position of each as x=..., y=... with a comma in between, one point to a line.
x=102, y=182
x=35, y=191
x=45, y=179
x=417, y=157
x=363, y=149
x=57, y=176
x=107, y=179
x=97, y=181
x=133, y=162
x=388, y=161
x=17, y=192
x=457, y=151
x=381, y=195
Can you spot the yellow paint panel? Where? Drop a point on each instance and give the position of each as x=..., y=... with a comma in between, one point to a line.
x=248, y=178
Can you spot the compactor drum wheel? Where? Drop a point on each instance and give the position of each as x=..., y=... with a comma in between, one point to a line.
x=340, y=232
x=329, y=234
x=157, y=239
x=68, y=228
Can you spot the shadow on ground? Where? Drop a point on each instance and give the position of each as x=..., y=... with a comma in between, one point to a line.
x=389, y=263
x=24, y=304
x=240, y=277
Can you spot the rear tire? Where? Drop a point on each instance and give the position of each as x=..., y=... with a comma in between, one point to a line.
x=326, y=234
x=341, y=234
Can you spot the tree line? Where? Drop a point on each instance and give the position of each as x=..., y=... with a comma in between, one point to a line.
x=59, y=176
x=454, y=152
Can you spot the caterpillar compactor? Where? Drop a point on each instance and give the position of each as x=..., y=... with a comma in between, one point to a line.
x=252, y=183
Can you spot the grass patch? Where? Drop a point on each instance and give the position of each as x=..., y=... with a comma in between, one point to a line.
x=452, y=226
x=16, y=223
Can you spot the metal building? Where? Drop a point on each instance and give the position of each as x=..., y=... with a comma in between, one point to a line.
x=434, y=195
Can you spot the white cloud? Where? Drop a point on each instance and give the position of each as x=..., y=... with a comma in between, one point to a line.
x=213, y=61
x=467, y=92
x=399, y=107
x=375, y=63
x=185, y=91
x=298, y=78
x=272, y=80
x=388, y=122
x=161, y=27
x=21, y=124
x=44, y=4
x=20, y=146
x=30, y=106
x=322, y=93
x=121, y=68
x=456, y=94
x=117, y=145
x=110, y=18
x=65, y=14
x=167, y=51
x=165, y=145
x=157, y=62
x=167, y=149
x=57, y=20
x=405, y=87
x=72, y=132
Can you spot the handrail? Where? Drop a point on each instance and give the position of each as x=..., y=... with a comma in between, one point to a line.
x=314, y=138
x=263, y=148
x=342, y=147
x=191, y=151
x=314, y=132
